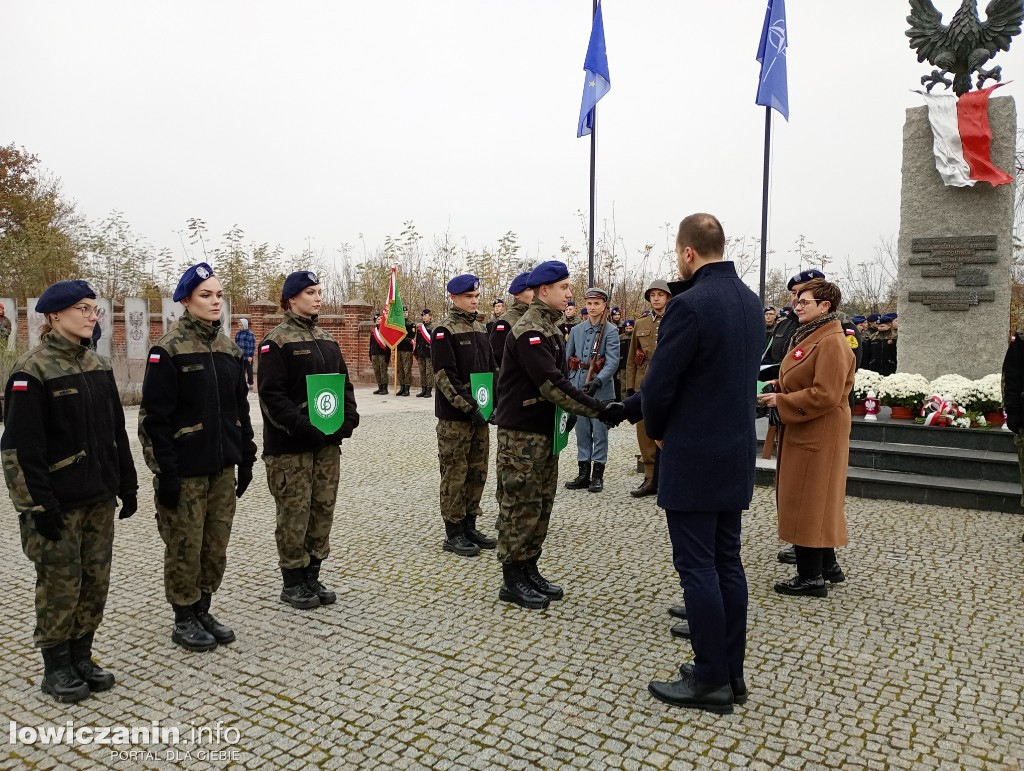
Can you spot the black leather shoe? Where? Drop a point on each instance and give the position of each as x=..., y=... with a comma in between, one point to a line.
x=475, y=536
x=678, y=611
x=787, y=556
x=295, y=591
x=540, y=583
x=739, y=687
x=221, y=632
x=686, y=692
x=97, y=678
x=59, y=678
x=833, y=574
x=456, y=541
x=647, y=487
x=518, y=589
x=803, y=587
x=188, y=633
x=682, y=629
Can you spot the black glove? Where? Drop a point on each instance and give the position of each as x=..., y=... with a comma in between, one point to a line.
x=129, y=505
x=630, y=392
x=168, y=491
x=49, y=523
x=570, y=424
x=612, y=414
x=244, y=478
x=477, y=418
x=591, y=388
x=310, y=434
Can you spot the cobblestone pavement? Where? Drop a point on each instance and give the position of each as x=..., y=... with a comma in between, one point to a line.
x=914, y=662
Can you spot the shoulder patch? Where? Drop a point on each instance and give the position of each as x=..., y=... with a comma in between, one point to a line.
x=154, y=358
x=534, y=340
x=439, y=335
x=19, y=385
x=265, y=347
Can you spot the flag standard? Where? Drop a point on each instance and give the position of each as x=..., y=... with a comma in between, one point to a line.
x=597, y=81
x=392, y=324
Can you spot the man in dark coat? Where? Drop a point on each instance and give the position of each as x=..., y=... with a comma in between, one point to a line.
x=698, y=402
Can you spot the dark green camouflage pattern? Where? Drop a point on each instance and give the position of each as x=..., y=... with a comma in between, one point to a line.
x=528, y=475
x=405, y=368
x=72, y=574
x=463, y=450
x=426, y=373
x=196, y=535
x=305, y=488
x=380, y=369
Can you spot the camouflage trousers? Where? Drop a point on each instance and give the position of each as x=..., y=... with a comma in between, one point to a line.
x=528, y=479
x=196, y=535
x=463, y=451
x=405, y=368
x=305, y=488
x=426, y=373
x=72, y=574
x=380, y=369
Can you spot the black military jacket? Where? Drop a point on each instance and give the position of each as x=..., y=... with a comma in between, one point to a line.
x=459, y=349
x=424, y=334
x=376, y=349
x=503, y=326
x=534, y=375
x=293, y=349
x=406, y=343
x=194, y=419
x=65, y=444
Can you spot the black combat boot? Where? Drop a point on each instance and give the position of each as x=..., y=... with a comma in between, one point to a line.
x=456, y=541
x=540, y=583
x=97, y=678
x=325, y=595
x=382, y=389
x=59, y=678
x=221, y=633
x=582, y=480
x=296, y=592
x=189, y=633
x=597, y=479
x=422, y=393
x=475, y=536
x=517, y=588
x=430, y=391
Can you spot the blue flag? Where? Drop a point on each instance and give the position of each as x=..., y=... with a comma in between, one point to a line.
x=772, y=89
x=597, y=82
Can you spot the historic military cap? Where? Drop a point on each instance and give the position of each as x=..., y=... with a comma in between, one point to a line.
x=874, y=317
x=296, y=282
x=887, y=318
x=548, y=273
x=859, y=319
x=426, y=311
x=63, y=295
x=657, y=284
x=461, y=284
x=803, y=277
x=595, y=293
x=190, y=279
x=629, y=324
x=519, y=284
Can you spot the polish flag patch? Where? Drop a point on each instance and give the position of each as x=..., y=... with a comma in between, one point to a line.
x=500, y=327
x=19, y=385
x=798, y=353
x=439, y=335
x=154, y=358
x=534, y=340
x=264, y=348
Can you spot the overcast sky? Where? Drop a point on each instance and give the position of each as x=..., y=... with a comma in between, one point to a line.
x=329, y=119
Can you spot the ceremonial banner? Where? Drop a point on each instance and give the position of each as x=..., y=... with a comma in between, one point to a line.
x=326, y=395
x=392, y=321
x=11, y=311
x=596, y=79
x=136, y=332
x=170, y=312
x=104, y=320
x=482, y=386
x=560, y=437
x=773, y=87
x=35, y=321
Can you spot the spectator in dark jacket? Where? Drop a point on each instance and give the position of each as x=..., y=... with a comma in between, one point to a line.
x=1013, y=396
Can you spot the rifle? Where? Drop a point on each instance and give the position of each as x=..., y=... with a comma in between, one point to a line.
x=597, y=362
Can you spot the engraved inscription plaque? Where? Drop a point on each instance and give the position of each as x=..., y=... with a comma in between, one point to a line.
x=947, y=257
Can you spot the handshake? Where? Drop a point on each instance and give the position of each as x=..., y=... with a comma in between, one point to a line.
x=612, y=413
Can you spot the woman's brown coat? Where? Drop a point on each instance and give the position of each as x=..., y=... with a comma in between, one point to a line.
x=814, y=441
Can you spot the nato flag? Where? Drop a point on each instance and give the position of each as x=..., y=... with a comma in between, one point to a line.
x=597, y=82
x=772, y=89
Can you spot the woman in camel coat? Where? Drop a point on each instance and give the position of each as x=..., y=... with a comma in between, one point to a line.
x=814, y=441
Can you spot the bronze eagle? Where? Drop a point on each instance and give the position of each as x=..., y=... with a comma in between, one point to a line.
x=962, y=47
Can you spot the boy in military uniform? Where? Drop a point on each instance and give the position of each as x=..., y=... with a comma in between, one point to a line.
x=380, y=356
x=641, y=351
x=533, y=382
x=497, y=309
x=460, y=349
x=882, y=348
x=424, y=334
x=522, y=296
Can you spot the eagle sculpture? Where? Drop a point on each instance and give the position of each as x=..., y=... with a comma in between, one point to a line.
x=961, y=48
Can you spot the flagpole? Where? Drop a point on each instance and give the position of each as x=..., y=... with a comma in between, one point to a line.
x=593, y=187
x=764, y=198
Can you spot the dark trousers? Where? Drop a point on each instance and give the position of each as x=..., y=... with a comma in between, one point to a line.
x=706, y=553
x=810, y=561
x=248, y=370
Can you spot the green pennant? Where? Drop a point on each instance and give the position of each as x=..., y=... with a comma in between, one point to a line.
x=482, y=386
x=560, y=437
x=326, y=401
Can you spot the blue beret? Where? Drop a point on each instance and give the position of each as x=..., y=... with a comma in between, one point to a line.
x=467, y=282
x=519, y=283
x=787, y=309
x=548, y=273
x=584, y=312
x=895, y=315
x=425, y=311
x=858, y=319
x=630, y=323
x=874, y=317
x=570, y=304
x=190, y=279
x=803, y=278
x=615, y=309
x=296, y=282
x=887, y=318
x=499, y=300
x=63, y=295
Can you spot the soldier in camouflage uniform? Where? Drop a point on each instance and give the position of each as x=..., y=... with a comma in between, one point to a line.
x=405, y=349
x=66, y=455
x=195, y=430
x=534, y=380
x=522, y=296
x=460, y=349
x=380, y=355
x=424, y=335
x=303, y=463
